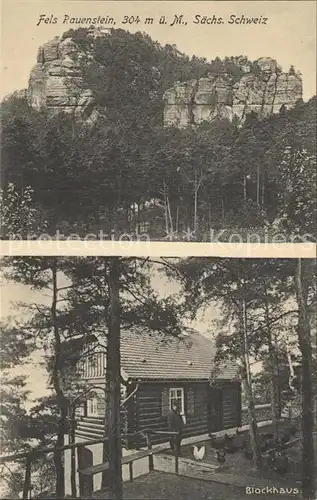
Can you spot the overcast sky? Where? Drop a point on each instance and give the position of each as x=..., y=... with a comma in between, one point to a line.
x=289, y=35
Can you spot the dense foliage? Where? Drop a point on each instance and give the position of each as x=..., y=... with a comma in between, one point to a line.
x=128, y=173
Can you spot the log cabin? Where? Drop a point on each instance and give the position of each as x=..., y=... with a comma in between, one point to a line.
x=156, y=371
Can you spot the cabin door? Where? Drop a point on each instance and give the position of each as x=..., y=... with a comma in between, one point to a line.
x=214, y=409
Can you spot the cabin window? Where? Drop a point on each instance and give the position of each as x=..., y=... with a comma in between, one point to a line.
x=176, y=396
x=92, y=407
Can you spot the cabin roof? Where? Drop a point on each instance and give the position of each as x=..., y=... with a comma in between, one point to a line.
x=153, y=356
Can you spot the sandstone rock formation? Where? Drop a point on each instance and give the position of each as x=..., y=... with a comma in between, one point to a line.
x=218, y=96
x=56, y=80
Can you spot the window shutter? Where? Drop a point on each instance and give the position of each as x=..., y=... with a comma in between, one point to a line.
x=190, y=401
x=165, y=402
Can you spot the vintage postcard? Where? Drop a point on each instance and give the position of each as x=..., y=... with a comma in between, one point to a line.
x=158, y=238
x=159, y=121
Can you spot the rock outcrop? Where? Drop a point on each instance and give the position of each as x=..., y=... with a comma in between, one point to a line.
x=56, y=81
x=219, y=96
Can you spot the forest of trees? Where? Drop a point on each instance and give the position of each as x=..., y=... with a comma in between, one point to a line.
x=269, y=304
x=129, y=174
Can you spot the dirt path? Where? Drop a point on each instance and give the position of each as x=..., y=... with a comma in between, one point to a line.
x=162, y=486
x=216, y=474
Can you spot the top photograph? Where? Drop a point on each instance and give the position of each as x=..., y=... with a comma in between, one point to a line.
x=159, y=121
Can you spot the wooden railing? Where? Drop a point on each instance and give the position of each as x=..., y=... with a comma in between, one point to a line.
x=86, y=474
x=30, y=456
x=263, y=412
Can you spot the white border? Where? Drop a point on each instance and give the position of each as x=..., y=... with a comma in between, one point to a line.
x=158, y=249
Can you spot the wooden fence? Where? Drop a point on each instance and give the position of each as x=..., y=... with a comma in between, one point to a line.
x=30, y=456
x=263, y=413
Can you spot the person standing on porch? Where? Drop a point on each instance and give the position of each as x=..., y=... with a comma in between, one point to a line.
x=176, y=424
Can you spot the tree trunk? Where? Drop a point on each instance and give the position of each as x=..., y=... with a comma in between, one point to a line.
x=195, y=212
x=113, y=383
x=196, y=188
x=169, y=213
x=275, y=397
x=244, y=187
x=209, y=217
x=253, y=428
x=133, y=217
x=105, y=446
x=177, y=218
x=275, y=393
x=61, y=400
x=292, y=375
x=139, y=218
x=222, y=210
x=72, y=452
x=263, y=191
x=127, y=216
x=315, y=389
x=258, y=185
x=302, y=278
x=165, y=210
x=27, y=479
x=113, y=222
x=248, y=391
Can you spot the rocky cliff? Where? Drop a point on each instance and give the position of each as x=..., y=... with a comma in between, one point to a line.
x=263, y=91
x=56, y=80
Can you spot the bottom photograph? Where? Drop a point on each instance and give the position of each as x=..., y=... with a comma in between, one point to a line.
x=157, y=377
